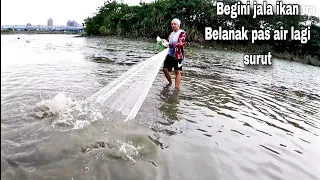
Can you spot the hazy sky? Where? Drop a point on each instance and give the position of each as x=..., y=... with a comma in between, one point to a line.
x=37, y=12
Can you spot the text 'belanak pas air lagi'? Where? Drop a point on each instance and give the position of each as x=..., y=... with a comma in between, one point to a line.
x=263, y=9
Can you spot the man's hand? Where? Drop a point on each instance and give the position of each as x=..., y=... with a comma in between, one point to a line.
x=165, y=43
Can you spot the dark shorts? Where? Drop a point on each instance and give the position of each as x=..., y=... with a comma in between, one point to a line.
x=171, y=62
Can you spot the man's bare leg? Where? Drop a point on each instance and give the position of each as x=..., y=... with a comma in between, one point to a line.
x=178, y=79
x=167, y=74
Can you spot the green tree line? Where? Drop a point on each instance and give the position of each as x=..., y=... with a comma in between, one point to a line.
x=150, y=20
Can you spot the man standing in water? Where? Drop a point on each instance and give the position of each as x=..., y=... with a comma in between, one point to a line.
x=176, y=53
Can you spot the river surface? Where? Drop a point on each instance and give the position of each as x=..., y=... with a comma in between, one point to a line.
x=227, y=122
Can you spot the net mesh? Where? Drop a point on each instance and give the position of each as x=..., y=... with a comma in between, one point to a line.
x=127, y=93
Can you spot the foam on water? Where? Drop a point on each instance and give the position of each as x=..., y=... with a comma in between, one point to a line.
x=128, y=151
x=66, y=112
x=129, y=147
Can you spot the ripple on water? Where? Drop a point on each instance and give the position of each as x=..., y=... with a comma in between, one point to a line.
x=285, y=111
x=227, y=121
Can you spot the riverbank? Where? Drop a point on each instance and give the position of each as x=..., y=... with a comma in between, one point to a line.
x=153, y=20
x=249, y=49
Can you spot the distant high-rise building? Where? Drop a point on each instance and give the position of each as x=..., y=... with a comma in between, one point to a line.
x=72, y=23
x=50, y=22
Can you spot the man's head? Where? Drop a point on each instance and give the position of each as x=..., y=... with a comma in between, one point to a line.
x=175, y=24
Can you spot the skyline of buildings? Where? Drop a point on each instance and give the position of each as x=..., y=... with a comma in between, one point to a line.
x=70, y=23
x=73, y=23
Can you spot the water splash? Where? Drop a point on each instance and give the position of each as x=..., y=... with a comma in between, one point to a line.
x=66, y=112
x=119, y=149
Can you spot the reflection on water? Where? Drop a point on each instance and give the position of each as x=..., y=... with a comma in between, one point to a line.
x=171, y=101
x=226, y=122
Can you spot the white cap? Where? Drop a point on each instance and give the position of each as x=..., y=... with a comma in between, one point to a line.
x=177, y=21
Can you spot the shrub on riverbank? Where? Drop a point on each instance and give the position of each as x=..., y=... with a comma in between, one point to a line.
x=153, y=19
